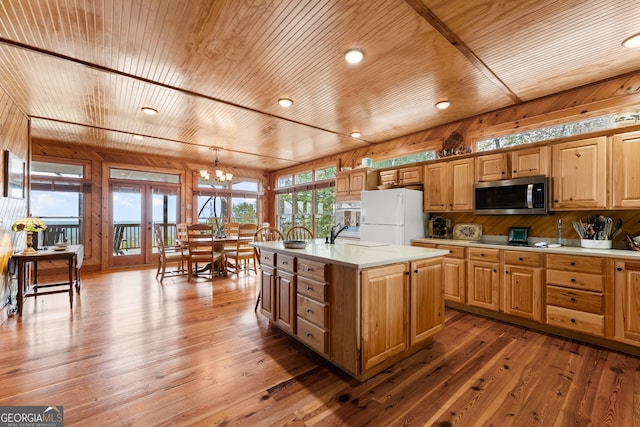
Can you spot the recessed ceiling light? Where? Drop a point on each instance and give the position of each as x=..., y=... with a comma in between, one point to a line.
x=633, y=41
x=138, y=137
x=150, y=111
x=443, y=105
x=353, y=56
x=355, y=134
x=285, y=102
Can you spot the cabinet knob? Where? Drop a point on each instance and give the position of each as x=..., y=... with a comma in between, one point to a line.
x=573, y=263
x=573, y=320
x=519, y=258
x=308, y=310
x=309, y=335
x=619, y=269
x=573, y=280
x=308, y=288
x=506, y=272
x=573, y=300
x=309, y=269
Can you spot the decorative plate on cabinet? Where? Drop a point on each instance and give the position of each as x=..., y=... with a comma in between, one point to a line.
x=467, y=231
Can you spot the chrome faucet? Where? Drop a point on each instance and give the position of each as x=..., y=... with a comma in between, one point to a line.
x=335, y=233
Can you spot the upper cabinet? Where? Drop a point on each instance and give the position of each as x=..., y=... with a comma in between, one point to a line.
x=492, y=167
x=448, y=186
x=580, y=174
x=533, y=161
x=349, y=184
x=410, y=175
x=626, y=171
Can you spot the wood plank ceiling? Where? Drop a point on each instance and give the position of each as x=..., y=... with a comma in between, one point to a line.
x=214, y=70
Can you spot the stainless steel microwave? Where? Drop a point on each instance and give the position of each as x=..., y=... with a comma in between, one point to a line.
x=520, y=196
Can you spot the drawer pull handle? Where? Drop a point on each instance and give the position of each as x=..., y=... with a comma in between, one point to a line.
x=284, y=262
x=573, y=280
x=308, y=310
x=573, y=300
x=519, y=258
x=308, y=288
x=573, y=263
x=573, y=320
x=309, y=335
x=309, y=269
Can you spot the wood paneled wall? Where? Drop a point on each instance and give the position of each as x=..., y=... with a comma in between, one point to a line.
x=14, y=137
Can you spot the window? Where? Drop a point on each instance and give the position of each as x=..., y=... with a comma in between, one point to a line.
x=237, y=201
x=579, y=127
x=58, y=198
x=307, y=198
x=412, y=158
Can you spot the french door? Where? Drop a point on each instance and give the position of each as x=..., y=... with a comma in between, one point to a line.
x=135, y=209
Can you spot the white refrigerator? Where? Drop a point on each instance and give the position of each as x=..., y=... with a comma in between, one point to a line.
x=392, y=216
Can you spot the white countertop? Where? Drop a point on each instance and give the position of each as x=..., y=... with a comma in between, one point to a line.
x=358, y=254
x=568, y=250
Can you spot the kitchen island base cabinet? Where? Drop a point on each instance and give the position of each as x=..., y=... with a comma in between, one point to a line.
x=384, y=313
x=362, y=319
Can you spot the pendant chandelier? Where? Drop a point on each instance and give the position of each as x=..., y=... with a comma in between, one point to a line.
x=218, y=174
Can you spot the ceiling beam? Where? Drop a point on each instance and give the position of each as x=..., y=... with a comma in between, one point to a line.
x=450, y=36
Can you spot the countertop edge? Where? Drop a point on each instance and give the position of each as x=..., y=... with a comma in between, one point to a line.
x=565, y=250
x=376, y=255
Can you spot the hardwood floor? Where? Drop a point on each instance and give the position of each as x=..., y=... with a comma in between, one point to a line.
x=136, y=353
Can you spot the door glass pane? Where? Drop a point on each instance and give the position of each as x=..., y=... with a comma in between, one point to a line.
x=325, y=211
x=304, y=209
x=285, y=211
x=127, y=216
x=164, y=202
x=213, y=210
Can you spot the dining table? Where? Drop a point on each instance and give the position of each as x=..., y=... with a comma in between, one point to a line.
x=219, y=243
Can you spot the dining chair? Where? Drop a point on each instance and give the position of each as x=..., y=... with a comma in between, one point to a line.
x=264, y=234
x=201, y=248
x=231, y=231
x=242, y=253
x=182, y=239
x=167, y=255
x=299, y=232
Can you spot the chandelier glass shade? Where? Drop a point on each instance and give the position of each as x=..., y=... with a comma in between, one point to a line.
x=219, y=175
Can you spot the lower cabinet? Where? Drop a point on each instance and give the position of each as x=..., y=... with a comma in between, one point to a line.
x=522, y=284
x=627, y=301
x=484, y=278
x=384, y=292
x=427, y=300
x=312, y=304
x=454, y=271
x=576, y=294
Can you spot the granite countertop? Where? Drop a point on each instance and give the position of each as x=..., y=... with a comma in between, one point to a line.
x=566, y=250
x=354, y=253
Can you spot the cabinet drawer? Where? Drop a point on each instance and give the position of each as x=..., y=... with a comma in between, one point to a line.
x=571, y=279
x=587, y=323
x=484, y=254
x=267, y=258
x=286, y=263
x=577, y=300
x=580, y=264
x=529, y=259
x=312, y=335
x=313, y=311
x=454, y=251
x=412, y=175
x=312, y=289
x=312, y=269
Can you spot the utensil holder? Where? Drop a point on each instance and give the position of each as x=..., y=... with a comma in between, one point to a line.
x=595, y=244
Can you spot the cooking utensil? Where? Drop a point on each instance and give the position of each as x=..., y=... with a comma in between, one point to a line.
x=616, y=229
x=577, y=225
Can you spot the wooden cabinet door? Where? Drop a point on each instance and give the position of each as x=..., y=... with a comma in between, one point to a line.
x=267, y=292
x=427, y=300
x=626, y=171
x=627, y=302
x=580, y=174
x=462, y=178
x=285, y=311
x=492, y=167
x=483, y=285
x=436, y=187
x=357, y=182
x=522, y=291
x=410, y=175
x=530, y=162
x=384, y=293
x=389, y=177
x=455, y=274
x=342, y=184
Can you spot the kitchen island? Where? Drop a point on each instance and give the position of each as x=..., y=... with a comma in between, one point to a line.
x=364, y=306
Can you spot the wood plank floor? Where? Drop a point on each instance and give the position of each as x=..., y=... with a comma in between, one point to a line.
x=133, y=352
